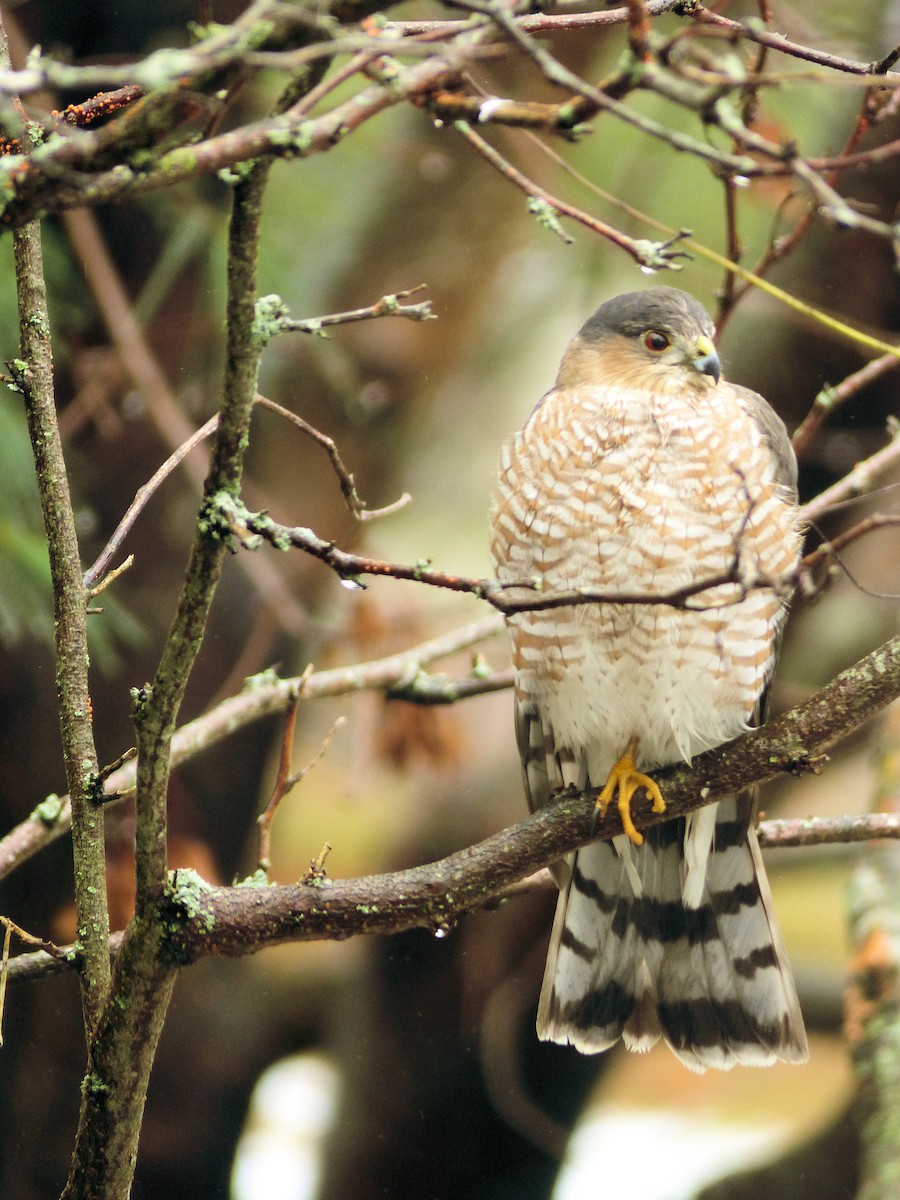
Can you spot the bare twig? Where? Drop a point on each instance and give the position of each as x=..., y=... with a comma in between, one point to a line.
x=776, y=41
x=387, y=306
x=827, y=553
x=146, y=491
x=36, y=942
x=267, y=816
x=38, y=964
x=831, y=397
x=297, y=776
x=251, y=529
x=317, y=871
x=780, y=248
x=113, y=575
x=356, y=505
x=540, y=22
x=285, y=779
x=855, y=482
x=422, y=688
x=827, y=831
x=163, y=409
x=4, y=975
x=652, y=255
x=142, y=496
x=104, y=104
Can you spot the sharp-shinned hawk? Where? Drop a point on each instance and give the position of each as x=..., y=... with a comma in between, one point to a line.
x=643, y=472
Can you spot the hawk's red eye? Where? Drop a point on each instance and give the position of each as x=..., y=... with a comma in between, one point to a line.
x=655, y=341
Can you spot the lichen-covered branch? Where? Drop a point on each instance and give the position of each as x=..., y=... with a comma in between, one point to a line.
x=125, y=1042
x=33, y=374
x=238, y=920
x=156, y=708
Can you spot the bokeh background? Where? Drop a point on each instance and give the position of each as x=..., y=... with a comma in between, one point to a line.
x=404, y=1067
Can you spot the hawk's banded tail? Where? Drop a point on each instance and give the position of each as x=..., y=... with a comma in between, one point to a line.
x=648, y=944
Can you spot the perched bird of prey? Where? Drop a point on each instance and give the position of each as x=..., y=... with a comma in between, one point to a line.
x=641, y=472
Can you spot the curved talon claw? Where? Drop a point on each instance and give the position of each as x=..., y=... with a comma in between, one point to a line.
x=625, y=779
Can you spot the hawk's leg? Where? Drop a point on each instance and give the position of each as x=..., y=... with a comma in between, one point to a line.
x=625, y=779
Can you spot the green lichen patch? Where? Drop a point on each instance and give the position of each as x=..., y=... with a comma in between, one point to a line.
x=49, y=810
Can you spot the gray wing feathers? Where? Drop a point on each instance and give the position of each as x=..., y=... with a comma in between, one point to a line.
x=536, y=762
x=776, y=436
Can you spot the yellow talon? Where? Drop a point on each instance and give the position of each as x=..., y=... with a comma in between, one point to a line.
x=625, y=779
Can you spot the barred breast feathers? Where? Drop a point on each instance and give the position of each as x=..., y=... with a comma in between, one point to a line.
x=636, y=475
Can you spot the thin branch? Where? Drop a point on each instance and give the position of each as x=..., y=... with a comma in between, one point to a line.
x=142, y=497
x=651, y=255
x=855, y=482
x=71, y=953
x=285, y=782
x=818, y=565
x=163, y=409
x=34, y=377
x=827, y=831
x=423, y=688
x=777, y=41
x=263, y=695
x=4, y=975
x=104, y=104
x=781, y=247
x=281, y=788
x=125, y=565
x=387, y=306
x=146, y=491
x=251, y=529
x=39, y=964
x=831, y=397
x=540, y=22
x=355, y=503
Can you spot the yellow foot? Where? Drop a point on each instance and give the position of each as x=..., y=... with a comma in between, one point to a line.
x=625, y=779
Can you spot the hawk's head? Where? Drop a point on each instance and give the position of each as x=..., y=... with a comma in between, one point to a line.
x=658, y=338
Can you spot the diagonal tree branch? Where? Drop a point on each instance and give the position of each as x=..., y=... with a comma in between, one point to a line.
x=262, y=696
x=208, y=921
x=240, y=920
